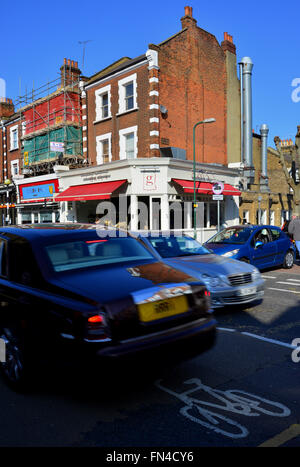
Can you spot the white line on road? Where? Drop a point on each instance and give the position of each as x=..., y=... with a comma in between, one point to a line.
x=269, y=277
x=287, y=283
x=261, y=338
x=294, y=280
x=271, y=341
x=283, y=290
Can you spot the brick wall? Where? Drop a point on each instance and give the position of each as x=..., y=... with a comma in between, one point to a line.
x=189, y=81
x=193, y=87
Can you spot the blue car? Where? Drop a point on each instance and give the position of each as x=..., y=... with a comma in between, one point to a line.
x=264, y=246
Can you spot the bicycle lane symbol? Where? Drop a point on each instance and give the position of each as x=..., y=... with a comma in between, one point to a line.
x=234, y=401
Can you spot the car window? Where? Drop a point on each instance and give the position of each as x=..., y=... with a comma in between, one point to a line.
x=275, y=234
x=174, y=246
x=87, y=253
x=261, y=236
x=23, y=266
x=235, y=235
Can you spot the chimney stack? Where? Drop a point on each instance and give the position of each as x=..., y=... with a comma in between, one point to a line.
x=227, y=44
x=69, y=72
x=187, y=20
x=7, y=108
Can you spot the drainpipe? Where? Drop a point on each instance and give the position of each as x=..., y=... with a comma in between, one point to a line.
x=264, y=180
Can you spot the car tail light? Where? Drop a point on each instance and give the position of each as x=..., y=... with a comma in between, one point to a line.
x=96, y=328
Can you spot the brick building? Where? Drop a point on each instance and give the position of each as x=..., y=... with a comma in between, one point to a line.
x=271, y=202
x=138, y=119
x=41, y=131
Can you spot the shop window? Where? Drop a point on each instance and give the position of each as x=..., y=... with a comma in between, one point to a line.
x=46, y=217
x=211, y=214
x=26, y=218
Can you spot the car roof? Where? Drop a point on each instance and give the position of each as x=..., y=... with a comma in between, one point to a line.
x=31, y=231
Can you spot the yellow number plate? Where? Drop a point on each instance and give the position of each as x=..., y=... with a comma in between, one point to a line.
x=152, y=311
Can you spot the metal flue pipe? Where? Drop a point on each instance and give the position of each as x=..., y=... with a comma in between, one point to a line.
x=247, y=67
x=264, y=130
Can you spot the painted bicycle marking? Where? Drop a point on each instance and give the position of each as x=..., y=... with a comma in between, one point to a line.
x=233, y=400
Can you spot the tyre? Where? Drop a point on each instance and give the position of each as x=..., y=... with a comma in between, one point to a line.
x=288, y=261
x=15, y=370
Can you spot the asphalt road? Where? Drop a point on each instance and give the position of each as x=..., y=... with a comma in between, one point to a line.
x=243, y=392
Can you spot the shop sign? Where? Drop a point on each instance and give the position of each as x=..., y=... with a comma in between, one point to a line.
x=38, y=191
x=149, y=182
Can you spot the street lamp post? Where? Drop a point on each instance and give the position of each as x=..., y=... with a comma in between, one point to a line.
x=207, y=120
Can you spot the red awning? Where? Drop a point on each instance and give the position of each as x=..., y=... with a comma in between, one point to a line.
x=205, y=188
x=102, y=190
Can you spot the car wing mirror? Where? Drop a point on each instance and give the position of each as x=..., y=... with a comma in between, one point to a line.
x=258, y=244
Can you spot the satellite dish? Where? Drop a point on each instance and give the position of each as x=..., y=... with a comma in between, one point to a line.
x=163, y=109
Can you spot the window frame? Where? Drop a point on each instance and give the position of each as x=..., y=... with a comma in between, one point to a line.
x=99, y=93
x=122, y=83
x=122, y=142
x=12, y=164
x=99, y=148
x=14, y=130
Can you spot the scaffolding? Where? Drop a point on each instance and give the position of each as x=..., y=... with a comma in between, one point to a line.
x=51, y=123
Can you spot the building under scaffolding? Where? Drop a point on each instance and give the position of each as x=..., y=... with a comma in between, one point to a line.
x=50, y=122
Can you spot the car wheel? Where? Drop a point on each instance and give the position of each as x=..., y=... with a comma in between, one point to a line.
x=288, y=261
x=15, y=368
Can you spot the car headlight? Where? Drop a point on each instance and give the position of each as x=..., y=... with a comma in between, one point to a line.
x=256, y=275
x=230, y=253
x=211, y=281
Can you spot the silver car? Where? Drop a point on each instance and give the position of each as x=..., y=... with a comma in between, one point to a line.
x=230, y=282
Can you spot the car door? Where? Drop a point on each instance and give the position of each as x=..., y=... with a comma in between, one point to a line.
x=282, y=243
x=263, y=256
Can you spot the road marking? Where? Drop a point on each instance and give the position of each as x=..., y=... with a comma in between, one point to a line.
x=236, y=401
x=281, y=438
x=226, y=329
x=271, y=341
x=283, y=290
x=293, y=280
x=269, y=277
x=287, y=283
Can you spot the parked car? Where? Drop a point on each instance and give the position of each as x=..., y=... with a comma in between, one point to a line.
x=77, y=290
x=230, y=282
x=264, y=246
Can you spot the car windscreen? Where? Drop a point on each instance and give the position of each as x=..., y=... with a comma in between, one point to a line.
x=86, y=253
x=170, y=247
x=232, y=235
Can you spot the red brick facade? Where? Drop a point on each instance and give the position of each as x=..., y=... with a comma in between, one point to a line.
x=188, y=80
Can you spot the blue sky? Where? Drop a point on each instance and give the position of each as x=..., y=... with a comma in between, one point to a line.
x=36, y=36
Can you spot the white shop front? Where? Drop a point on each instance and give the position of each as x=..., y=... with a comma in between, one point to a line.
x=150, y=194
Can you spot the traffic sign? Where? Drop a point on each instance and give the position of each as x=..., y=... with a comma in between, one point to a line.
x=218, y=188
x=218, y=197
